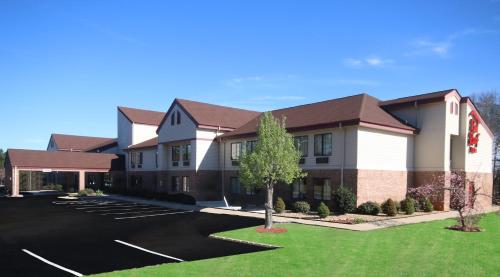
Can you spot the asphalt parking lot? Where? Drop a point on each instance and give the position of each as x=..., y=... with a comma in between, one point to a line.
x=46, y=236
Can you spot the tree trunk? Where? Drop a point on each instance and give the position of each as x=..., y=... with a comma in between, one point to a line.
x=269, y=207
x=462, y=219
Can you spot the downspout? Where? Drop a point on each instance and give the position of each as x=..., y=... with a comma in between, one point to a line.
x=415, y=143
x=343, y=156
x=221, y=143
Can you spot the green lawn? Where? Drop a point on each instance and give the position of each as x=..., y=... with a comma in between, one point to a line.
x=425, y=249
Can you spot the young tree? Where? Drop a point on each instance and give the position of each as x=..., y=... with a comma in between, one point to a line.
x=463, y=197
x=275, y=159
x=2, y=158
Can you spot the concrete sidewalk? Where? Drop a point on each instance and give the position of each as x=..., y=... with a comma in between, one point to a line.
x=368, y=226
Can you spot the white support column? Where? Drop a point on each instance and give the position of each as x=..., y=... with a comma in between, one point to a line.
x=81, y=180
x=15, y=182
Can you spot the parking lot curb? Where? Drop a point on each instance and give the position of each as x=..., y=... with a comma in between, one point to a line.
x=245, y=242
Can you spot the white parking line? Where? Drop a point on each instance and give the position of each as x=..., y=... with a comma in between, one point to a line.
x=150, y=215
x=123, y=209
x=149, y=251
x=111, y=206
x=141, y=212
x=51, y=263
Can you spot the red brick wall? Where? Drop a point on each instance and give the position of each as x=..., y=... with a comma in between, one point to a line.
x=379, y=185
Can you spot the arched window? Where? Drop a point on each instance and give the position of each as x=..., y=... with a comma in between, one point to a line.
x=172, y=118
x=178, y=117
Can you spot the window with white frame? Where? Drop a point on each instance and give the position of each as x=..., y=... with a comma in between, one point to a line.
x=299, y=189
x=323, y=144
x=235, y=153
x=322, y=189
x=185, y=183
x=250, y=146
x=176, y=155
x=186, y=154
x=301, y=144
x=235, y=185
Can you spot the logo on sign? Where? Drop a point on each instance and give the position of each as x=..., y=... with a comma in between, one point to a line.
x=473, y=135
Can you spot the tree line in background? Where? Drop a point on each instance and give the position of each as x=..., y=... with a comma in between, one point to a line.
x=2, y=157
x=488, y=104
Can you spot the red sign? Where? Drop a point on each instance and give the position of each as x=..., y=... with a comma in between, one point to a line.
x=473, y=135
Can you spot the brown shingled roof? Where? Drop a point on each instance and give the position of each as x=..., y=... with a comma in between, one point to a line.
x=356, y=109
x=77, y=143
x=421, y=98
x=62, y=160
x=104, y=145
x=145, y=144
x=142, y=116
x=209, y=115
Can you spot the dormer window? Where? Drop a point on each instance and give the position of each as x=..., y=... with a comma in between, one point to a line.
x=178, y=117
x=172, y=118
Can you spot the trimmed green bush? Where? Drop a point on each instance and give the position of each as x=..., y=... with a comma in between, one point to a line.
x=427, y=205
x=389, y=207
x=398, y=206
x=99, y=192
x=408, y=206
x=301, y=207
x=371, y=208
x=86, y=192
x=323, y=210
x=279, y=205
x=344, y=200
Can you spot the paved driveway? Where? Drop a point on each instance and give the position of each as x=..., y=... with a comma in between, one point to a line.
x=44, y=236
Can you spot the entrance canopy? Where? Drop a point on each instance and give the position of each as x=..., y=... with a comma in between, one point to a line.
x=60, y=161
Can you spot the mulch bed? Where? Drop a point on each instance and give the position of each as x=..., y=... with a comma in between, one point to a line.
x=466, y=229
x=274, y=230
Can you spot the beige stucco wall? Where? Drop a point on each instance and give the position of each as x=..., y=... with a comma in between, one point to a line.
x=143, y=132
x=335, y=160
x=185, y=130
x=124, y=131
x=383, y=150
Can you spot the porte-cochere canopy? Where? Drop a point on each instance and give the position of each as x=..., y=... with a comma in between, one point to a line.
x=58, y=161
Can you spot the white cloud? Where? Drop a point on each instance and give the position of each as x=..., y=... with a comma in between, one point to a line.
x=442, y=47
x=373, y=61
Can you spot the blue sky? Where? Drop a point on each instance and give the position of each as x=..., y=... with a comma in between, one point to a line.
x=66, y=65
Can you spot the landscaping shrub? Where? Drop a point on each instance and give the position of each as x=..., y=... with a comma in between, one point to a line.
x=344, y=200
x=86, y=192
x=99, y=192
x=427, y=205
x=408, y=205
x=323, y=210
x=56, y=187
x=358, y=220
x=398, y=206
x=279, y=206
x=371, y=208
x=301, y=207
x=389, y=207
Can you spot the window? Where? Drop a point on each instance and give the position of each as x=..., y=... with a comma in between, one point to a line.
x=186, y=154
x=456, y=108
x=185, y=184
x=139, y=163
x=322, y=189
x=301, y=143
x=250, y=147
x=156, y=159
x=132, y=159
x=172, y=118
x=176, y=155
x=323, y=145
x=235, y=185
x=235, y=153
x=178, y=117
x=299, y=189
x=249, y=191
x=176, y=183
x=136, y=181
x=451, y=107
